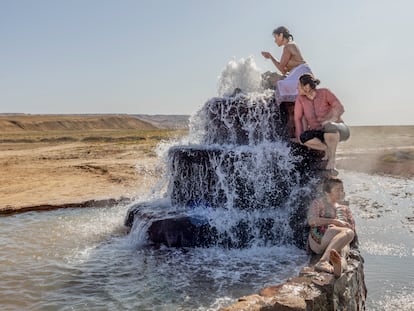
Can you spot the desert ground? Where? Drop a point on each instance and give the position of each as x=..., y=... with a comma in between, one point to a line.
x=49, y=162
x=63, y=161
x=387, y=150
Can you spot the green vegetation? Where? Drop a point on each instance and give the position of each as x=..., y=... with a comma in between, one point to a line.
x=91, y=136
x=399, y=156
x=93, y=140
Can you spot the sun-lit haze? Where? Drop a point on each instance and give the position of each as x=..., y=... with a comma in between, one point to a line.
x=166, y=57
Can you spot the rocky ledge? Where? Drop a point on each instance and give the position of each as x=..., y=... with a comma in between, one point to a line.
x=312, y=291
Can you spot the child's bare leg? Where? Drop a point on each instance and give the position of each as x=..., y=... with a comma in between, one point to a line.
x=336, y=261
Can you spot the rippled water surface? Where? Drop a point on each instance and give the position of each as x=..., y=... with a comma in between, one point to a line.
x=82, y=259
x=384, y=210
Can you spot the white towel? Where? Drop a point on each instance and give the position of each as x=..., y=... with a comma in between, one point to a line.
x=287, y=89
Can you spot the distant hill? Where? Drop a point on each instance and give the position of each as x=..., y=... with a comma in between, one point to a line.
x=166, y=121
x=29, y=122
x=21, y=122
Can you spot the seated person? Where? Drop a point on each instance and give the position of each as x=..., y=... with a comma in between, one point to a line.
x=332, y=228
x=291, y=65
x=318, y=120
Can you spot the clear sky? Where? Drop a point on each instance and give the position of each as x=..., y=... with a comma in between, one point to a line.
x=165, y=56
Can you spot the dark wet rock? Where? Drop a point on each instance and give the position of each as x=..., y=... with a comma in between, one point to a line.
x=230, y=120
x=181, y=231
x=194, y=182
x=173, y=229
x=194, y=178
x=214, y=175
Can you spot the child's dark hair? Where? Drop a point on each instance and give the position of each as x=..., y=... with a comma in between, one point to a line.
x=329, y=183
x=286, y=33
x=307, y=78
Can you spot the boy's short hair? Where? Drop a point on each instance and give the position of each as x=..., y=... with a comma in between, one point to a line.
x=330, y=182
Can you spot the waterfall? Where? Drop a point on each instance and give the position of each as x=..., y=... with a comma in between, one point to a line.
x=239, y=181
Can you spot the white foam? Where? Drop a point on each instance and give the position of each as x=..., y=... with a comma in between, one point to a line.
x=242, y=74
x=402, y=301
x=384, y=249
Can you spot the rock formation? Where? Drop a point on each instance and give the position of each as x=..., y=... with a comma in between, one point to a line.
x=244, y=161
x=312, y=291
